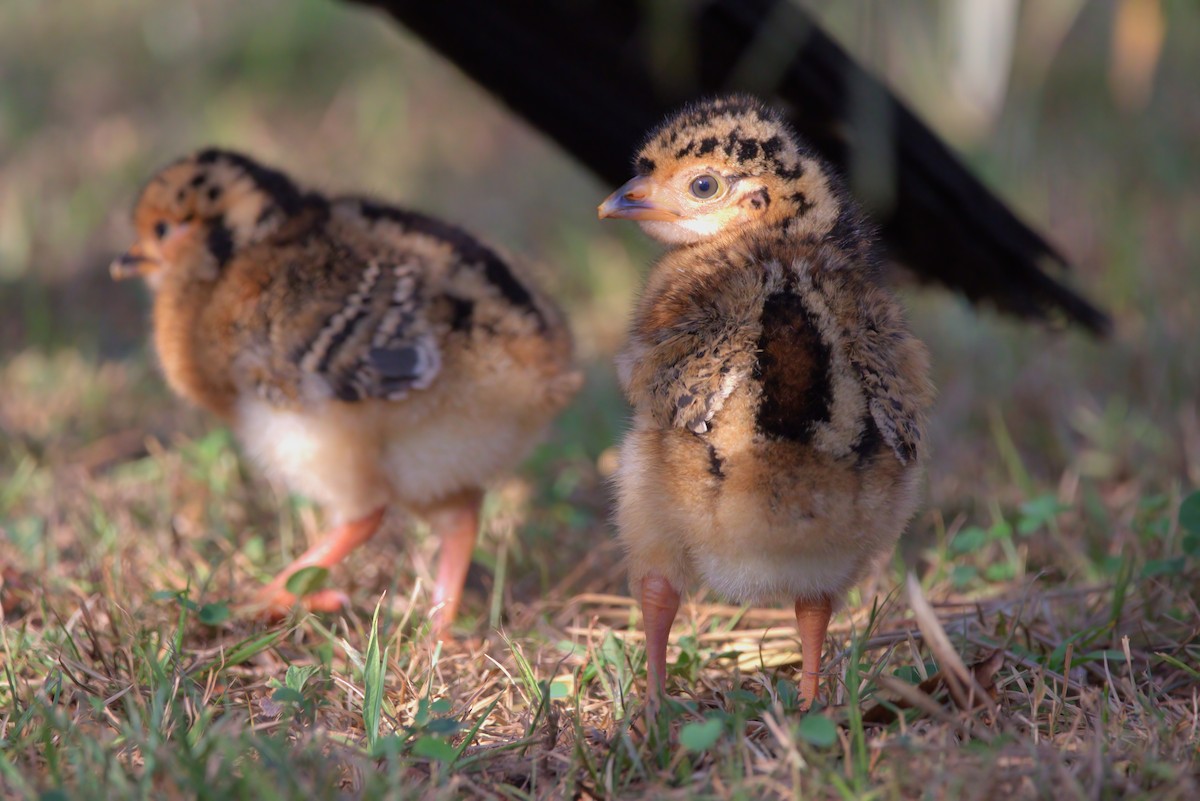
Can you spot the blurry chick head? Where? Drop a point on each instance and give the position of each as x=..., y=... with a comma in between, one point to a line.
x=719, y=165
x=196, y=213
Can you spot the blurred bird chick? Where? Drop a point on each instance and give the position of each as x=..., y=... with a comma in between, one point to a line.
x=366, y=355
x=779, y=399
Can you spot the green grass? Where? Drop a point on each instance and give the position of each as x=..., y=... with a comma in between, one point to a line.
x=1059, y=549
x=121, y=660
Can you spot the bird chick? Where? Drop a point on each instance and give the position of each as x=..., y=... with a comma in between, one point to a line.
x=779, y=399
x=366, y=355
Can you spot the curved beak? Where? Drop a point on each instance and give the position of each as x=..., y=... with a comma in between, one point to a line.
x=132, y=263
x=638, y=199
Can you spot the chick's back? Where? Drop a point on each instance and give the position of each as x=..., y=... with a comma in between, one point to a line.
x=779, y=402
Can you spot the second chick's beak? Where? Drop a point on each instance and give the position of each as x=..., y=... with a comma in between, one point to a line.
x=131, y=264
x=640, y=198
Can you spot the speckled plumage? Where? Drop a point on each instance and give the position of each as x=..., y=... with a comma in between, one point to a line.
x=366, y=354
x=779, y=399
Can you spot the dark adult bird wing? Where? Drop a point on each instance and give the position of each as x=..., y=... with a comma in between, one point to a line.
x=594, y=75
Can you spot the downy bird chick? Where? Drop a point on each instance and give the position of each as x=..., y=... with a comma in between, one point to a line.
x=779, y=398
x=366, y=355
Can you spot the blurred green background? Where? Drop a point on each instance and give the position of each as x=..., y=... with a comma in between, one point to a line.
x=1085, y=116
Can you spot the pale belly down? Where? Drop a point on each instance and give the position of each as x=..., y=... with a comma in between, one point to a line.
x=752, y=534
x=815, y=559
x=355, y=458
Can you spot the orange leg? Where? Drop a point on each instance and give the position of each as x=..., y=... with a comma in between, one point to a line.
x=456, y=525
x=327, y=553
x=660, y=602
x=812, y=619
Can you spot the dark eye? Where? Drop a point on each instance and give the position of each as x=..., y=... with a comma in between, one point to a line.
x=705, y=186
x=160, y=229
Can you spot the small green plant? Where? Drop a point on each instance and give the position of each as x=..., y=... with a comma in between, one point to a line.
x=307, y=580
x=296, y=693
x=700, y=736
x=816, y=729
x=431, y=732
x=992, y=554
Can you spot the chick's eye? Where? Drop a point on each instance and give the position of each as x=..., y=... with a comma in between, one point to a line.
x=160, y=229
x=705, y=186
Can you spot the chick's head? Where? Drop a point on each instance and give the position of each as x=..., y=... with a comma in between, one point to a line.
x=719, y=165
x=197, y=213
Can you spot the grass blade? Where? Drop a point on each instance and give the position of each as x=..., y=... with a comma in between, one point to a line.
x=373, y=675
